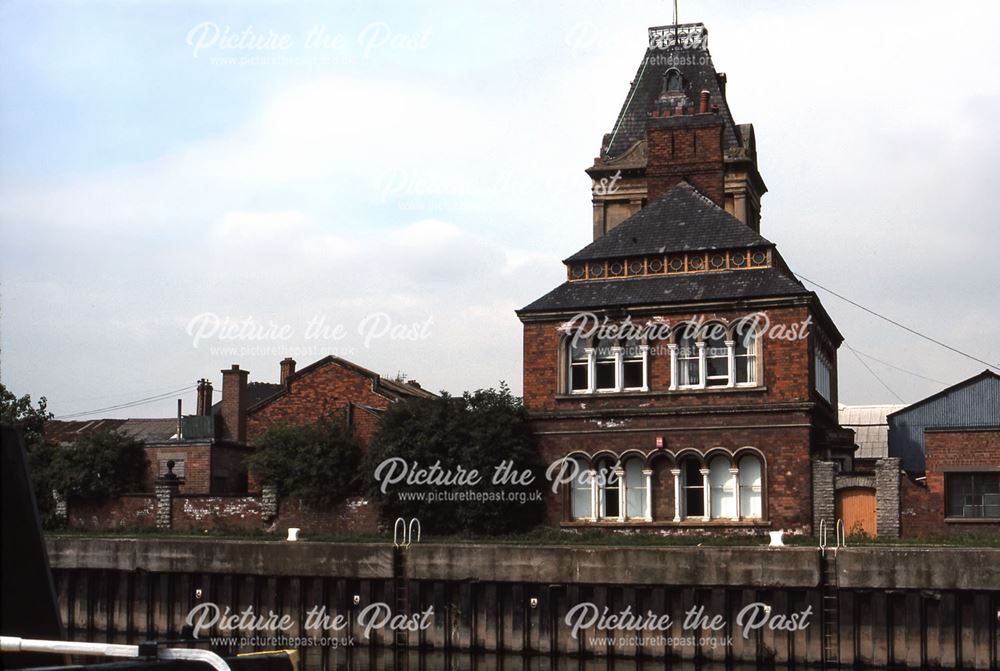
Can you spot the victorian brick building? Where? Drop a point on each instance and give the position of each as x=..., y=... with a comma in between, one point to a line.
x=711, y=389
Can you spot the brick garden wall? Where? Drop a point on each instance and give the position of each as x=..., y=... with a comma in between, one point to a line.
x=127, y=512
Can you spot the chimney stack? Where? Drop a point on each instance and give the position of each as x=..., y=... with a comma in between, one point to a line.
x=204, y=405
x=287, y=369
x=234, y=404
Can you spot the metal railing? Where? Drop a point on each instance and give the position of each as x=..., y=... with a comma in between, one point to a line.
x=405, y=539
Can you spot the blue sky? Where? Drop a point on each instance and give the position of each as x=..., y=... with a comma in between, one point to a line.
x=429, y=168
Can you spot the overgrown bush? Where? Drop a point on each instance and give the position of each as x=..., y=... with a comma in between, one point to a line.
x=478, y=431
x=318, y=462
x=100, y=465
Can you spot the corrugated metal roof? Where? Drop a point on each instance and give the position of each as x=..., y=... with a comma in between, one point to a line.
x=871, y=429
x=147, y=429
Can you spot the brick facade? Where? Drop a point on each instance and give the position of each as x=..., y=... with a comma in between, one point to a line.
x=922, y=504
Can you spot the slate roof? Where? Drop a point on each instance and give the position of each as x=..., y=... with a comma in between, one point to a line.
x=682, y=220
x=669, y=289
x=256, y=392
x=697, y=69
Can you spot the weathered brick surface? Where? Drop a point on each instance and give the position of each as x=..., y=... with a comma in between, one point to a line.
x=922, y=509
x=197, y=458
x=126, y=512
x=784, y=419
x=216, y=512
x=787, y=369
x=356, y=515
x=693, y=154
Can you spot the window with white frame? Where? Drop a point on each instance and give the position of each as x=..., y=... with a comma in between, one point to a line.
x=606, y=365
x=636, y=486
x=633, y=364
x=722, y=483
x=824, y=375
x=579, y=365
x=716, y=357
x=750, y=479
x=581, y=499
x=713, y=356
x=693, y=485
x=745, y=354
x=688, y=360
x=608, y=484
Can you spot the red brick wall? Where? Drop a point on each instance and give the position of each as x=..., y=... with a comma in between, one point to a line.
x=922, y=509
x=692, y=154
x=787, y=477
x=356, y=515
x=786, y=369
x=326, y=390
x=216, y=512
x=197, y=465
x=127, y=512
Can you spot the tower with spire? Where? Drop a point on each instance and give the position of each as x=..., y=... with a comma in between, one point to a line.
x=681, y=372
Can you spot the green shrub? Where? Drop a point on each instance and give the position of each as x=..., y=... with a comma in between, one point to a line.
x=318, y=463
x=477, y=431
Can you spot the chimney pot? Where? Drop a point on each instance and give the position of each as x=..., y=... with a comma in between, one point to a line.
x=703, y=104
x=204, y=404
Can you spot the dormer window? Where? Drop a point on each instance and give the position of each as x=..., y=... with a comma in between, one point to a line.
x=673, y=82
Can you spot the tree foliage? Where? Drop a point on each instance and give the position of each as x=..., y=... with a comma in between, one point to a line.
x=477, y=431
x=317, y=462
x=101, y=464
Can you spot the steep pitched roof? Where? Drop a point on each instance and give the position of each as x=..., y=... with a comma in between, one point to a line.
x=388, y=388
x=695, y=65
x=669, y=289
x=681, y=220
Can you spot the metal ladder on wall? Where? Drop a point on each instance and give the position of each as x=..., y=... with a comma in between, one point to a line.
x=400, y=585
x=830, y=615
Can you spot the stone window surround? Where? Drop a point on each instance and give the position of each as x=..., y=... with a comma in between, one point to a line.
x=679, y=519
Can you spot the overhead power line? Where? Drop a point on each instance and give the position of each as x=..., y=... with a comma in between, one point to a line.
x=901, y=370
x=874, y=374
x=130, y=404
x=902, y=326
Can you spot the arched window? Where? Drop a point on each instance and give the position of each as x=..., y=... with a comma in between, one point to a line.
x=688, y=359
x=581, y=491
x=579, y=365
x=705, y=357
x=694, y=488
x=745, y=356
x=716, y=357
x=723, y=485
x=608, y=485
x=751, y=487
x=605, y=368
x=635, y=489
